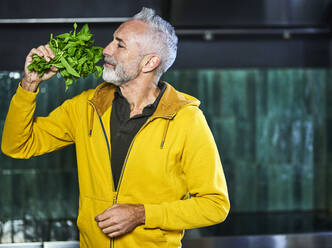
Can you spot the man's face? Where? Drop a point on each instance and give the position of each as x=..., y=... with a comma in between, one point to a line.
x=124, y=54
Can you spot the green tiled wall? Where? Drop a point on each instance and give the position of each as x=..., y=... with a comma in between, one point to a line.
x=271, y=128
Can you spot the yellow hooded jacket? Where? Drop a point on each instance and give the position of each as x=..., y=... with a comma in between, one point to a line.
x=172, y=165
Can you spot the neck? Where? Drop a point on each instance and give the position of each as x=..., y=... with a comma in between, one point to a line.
x=139, y=93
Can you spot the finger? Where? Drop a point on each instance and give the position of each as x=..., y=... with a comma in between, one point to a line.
x=28, y=61
x=45, y=53
x=54, y=69
x=103, y=216
x=115, y=234
x=29, y=58
x=110, y=229
x=35, y=51
x=48, y=75
x=50, y=52
x=106, y=223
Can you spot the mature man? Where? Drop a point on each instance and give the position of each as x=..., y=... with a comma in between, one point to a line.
x=148, y=165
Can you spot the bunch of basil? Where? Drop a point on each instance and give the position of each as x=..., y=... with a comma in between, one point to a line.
x=75, y=56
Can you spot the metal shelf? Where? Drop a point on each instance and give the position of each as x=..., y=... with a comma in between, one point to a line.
x=64, y=20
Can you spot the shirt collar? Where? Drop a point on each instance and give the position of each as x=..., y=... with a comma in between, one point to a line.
x=148, y=109
x=153, y=106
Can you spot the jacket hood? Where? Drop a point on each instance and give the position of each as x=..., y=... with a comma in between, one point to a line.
x=170, y=103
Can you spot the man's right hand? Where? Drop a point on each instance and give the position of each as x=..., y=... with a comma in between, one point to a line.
x=30, y=80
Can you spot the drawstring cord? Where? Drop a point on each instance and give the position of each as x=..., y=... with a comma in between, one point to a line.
x=165, y=132
x=91, y=120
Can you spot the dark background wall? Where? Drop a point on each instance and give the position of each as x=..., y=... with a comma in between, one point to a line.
x=216, y=34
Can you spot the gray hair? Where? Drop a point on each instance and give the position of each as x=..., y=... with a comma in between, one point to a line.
x=163, y=39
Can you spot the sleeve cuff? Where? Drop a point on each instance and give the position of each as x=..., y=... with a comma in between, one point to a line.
x=153, y=215
x=25, y=94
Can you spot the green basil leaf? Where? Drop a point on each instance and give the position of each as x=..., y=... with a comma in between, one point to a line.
x=68, y=67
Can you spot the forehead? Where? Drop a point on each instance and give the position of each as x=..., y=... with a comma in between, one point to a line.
x=131, y=29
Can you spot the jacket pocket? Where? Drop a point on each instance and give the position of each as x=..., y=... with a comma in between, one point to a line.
x=141, y=237
x=155, y=234
x=90, y=233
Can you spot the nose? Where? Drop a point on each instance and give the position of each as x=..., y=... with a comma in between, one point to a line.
x=108, y=50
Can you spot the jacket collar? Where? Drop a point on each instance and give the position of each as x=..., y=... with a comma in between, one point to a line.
x=170, y=103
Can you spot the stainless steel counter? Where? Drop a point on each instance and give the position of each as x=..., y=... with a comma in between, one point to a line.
x=64, y=244
x=309, y=240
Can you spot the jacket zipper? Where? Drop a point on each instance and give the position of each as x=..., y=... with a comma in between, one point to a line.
x=129, y=149
x=115, y=199
x=125, y=161
x=109, y=157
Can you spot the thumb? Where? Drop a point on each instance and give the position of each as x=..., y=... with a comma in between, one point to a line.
x=104, y=215
x=53, y=68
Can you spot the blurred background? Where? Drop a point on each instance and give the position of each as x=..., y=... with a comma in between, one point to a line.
x=261, y=69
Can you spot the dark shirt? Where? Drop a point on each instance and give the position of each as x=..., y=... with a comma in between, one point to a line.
x=124, y=128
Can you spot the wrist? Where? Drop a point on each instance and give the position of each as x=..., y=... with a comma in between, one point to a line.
x=28, y=85
x=141, y=214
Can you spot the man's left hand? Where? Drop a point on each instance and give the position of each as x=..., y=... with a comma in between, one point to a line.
x=121, y=219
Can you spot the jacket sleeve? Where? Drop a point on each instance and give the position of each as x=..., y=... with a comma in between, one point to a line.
x=25, y=136
x=209, y=203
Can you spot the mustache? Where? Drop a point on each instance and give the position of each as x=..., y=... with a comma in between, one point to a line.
x=110, y=60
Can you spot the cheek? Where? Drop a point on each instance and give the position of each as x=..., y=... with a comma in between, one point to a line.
x=127, y=59
x=121, y=58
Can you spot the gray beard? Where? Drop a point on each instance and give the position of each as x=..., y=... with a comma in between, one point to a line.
x=115, y=77
x=119, y=75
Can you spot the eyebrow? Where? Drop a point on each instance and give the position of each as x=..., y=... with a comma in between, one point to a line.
x=120, y=40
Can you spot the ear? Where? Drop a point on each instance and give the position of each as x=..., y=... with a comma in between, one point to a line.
x=150, y=62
